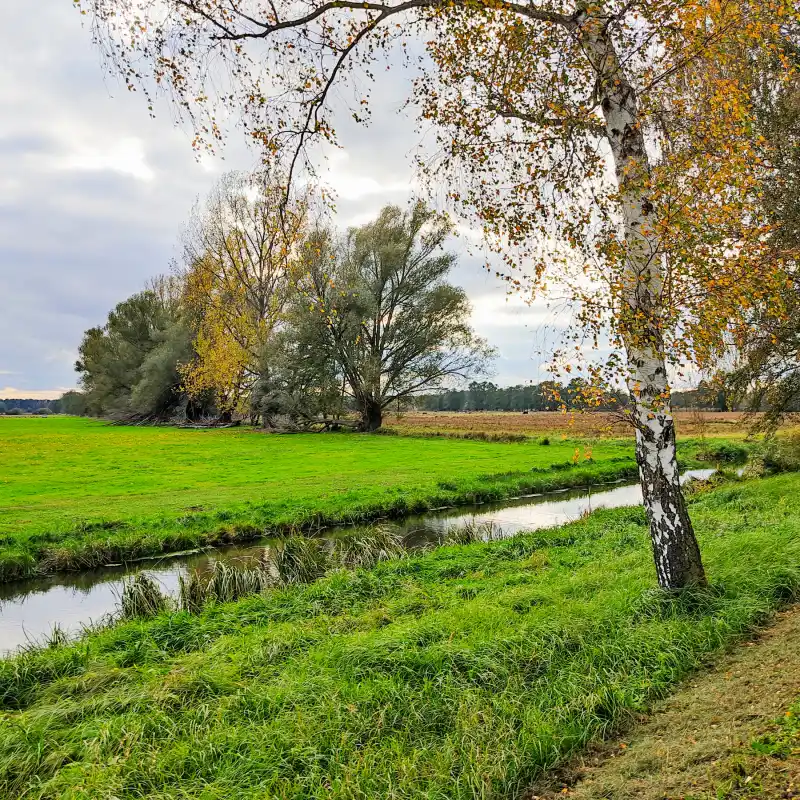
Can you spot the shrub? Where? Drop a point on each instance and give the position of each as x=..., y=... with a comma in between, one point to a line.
x=781, y=455
x=724, y=453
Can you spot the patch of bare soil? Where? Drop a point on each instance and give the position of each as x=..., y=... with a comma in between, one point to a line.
x=696, y=743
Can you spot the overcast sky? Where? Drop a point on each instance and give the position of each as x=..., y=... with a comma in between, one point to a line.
x=93, y=193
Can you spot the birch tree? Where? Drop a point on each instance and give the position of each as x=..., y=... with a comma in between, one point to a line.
x=607, y=144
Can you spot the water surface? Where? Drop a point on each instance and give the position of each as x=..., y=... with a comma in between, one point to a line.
x=30, y=609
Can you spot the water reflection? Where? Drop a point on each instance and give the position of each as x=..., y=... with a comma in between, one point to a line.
x=29, y=609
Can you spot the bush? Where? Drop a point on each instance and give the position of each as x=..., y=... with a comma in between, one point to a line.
x=780, y=455
x=14, y=412
x=724, y=453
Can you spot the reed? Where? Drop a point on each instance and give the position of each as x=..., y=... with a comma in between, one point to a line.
x=142, y=597
x=469, y=533
x=368, y=546
x=295, y=560
x=228, y=583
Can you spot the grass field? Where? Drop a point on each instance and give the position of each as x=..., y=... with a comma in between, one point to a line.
x=462, y=673
x=689, y=424
x=77, y=492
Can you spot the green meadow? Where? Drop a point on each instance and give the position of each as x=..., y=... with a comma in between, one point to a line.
x=77, y=493
x=460, y=673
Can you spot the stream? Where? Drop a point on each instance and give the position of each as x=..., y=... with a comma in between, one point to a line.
x=29, y=609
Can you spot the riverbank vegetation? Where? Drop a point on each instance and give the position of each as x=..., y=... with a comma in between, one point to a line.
x=79, y=493
x=459, y=673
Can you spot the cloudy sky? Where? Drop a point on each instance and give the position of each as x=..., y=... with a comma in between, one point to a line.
x=93, y=193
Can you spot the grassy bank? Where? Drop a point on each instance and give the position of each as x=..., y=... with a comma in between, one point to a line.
x=77, y=493
x=462, y=673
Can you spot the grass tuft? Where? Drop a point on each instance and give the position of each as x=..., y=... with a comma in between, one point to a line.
x=296, y=560
x=367, y=547
x=142, y=597
x=470, y=532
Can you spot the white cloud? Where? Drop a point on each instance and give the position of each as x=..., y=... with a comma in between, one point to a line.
x=508, y=311
x=62, y=355
x=11, y=393
x=349, y=183
x=126, y=157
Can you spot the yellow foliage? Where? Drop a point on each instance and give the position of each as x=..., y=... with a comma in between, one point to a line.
x=242, y=265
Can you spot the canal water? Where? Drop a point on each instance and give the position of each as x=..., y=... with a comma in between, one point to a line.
x=30, y=609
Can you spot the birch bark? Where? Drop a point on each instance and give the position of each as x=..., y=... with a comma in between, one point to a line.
x=675, y=549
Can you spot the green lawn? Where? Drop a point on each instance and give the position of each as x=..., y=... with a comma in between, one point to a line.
x=461, y=673
x=77, y=492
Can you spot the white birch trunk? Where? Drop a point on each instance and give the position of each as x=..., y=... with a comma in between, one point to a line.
x=675, y=549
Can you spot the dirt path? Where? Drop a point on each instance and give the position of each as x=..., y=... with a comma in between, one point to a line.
x=691, y=743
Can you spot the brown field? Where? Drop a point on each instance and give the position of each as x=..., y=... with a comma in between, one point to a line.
x=541, y=423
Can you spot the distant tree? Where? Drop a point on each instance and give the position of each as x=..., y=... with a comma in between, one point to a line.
x=378, y=306
x=42, y=411
x=129, y=368
x=73, y=403
x=3, y=407
x=15, y=411
x=240, y=252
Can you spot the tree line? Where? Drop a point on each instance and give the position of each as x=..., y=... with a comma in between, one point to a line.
x=710, y=395
x=290, y=324
x=14, y=405
x=544, y=396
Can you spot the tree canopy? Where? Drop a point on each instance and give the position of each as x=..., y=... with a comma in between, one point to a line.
x=240, y=250
x=767, y=373
x=129, y=367
x=379, y=307
x=605, y=144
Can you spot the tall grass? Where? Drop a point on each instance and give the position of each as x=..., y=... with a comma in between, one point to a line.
x=296, y=560
x=368, y=546
x=460, y=673
x=470, y=532
x=142, y=597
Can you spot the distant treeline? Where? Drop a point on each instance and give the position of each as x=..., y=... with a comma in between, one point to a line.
x=478, y=396
x=552, y=396
x=29, y=405
x=544, y=396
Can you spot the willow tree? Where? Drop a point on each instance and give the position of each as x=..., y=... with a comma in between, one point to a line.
x=239, y=251
x=606, y=144
x=377, y=303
